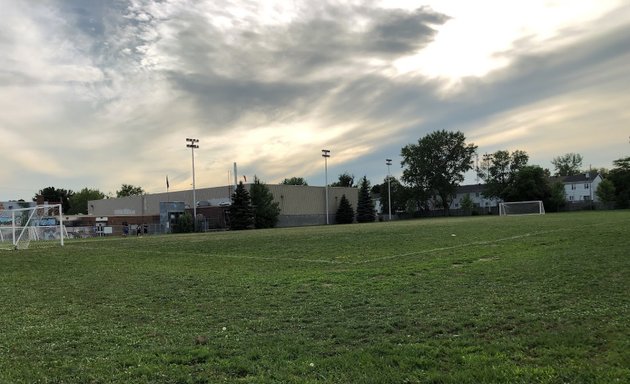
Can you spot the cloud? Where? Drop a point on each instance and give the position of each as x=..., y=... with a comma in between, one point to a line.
x=106, y=92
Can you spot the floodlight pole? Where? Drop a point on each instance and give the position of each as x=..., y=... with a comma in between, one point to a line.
x=192, y=145
x=326, y=155
x=389, y=188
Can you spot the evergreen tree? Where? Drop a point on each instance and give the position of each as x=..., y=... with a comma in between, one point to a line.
x=345, y=213
x=365, y=205
x=467, y=204
x=241, y=211
x=265, y=209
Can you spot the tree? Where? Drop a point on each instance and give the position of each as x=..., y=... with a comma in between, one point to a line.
x=241, y=211
x=400, y=195
x=345, y=213
x=129, y=190
x=606, y=193
x=436, y=165
x=184, y=223
x=365, y=205
x=295, y=181
x=530, y=183
x=345, y=180
x=497, y=171
x=603, y=172
x=620, y=177
x=55, y=196
x=567, y=164
x=79, y=200
x=266, y=211
x=558, y=197
x=467, y=204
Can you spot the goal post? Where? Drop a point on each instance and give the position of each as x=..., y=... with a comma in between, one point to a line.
x=35, y=226
x=534, y=207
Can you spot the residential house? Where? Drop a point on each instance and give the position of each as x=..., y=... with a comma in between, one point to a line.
x=581, y=187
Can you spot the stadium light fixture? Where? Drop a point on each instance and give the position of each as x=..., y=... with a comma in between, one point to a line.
x=389, y=188
x=326, y=155
x=192, y=144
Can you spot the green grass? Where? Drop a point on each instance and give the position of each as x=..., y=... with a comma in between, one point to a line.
x=537, y=299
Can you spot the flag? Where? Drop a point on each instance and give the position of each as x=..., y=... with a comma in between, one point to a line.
x=167, y=182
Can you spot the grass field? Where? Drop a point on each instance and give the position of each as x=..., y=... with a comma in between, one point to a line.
x=536, y=299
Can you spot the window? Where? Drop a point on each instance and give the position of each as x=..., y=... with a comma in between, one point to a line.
x=587, y=198
x=573, y=186
x=476, y=194
x=570, y=198
x=586, y=185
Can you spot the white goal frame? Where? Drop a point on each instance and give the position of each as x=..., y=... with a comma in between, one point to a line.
x=505, y=208
x=27, y=224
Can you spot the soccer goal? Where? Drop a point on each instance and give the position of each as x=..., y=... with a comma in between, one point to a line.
x=37, y=226
x=522, y=208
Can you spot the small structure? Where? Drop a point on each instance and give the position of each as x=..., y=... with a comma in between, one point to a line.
x=170, y=212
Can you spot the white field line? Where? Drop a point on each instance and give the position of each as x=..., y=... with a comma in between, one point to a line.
x=474, y=243
x=440, y=249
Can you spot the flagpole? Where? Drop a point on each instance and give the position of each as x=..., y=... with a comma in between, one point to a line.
x=168, y=197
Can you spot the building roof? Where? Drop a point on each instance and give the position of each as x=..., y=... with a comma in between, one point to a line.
x=472, y=188
x=579, y=178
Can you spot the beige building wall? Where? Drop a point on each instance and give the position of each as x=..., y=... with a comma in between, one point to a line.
x=294, y=200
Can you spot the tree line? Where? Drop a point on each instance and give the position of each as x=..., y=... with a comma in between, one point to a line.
x=74, y=203
x=433, y=168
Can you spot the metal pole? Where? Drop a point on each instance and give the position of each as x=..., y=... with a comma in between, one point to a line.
x=326, y=155
x=192, y=147
x=389, y=188
x=13, y=227
x=61, y=223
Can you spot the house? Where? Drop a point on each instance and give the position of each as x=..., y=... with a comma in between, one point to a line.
x=580, y=187
x=475, y=192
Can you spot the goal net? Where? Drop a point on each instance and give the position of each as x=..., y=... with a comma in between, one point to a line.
x=37, y=226
x=522, y=208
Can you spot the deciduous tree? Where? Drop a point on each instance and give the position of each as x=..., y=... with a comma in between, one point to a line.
x=345, y=180
x=606, y=193
x=55, y=196
x=436, y=165
x=620, y=177
x=129, y=190
x=567, y=164
x=295, y=181
x=400, y=195
x=529, y=183
x=497, y=170
x=79, y=200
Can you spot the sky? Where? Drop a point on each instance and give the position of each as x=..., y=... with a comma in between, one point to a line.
x=96, y=94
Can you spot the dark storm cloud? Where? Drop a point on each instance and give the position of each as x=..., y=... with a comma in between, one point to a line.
x=400, y=32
